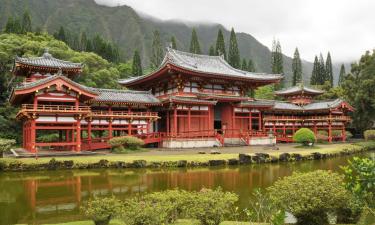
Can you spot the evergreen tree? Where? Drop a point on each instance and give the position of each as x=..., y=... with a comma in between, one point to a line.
x=137, y=64
x=233, y=53
x=342, y=74
x=9, y=27
x=157, y=50
x=220, y=45
x=173, y=42
x=244, y=65
x=17, y=27
x=315, y=72
x=296, y=68
x=38, y=30
x=212, y=51
x=83, y=41
x=88, y=47
x=61, y=35
x=194, y=43
x=277, y=62
x=322, y=70
x=329, y=70
x=26, y=22
x=250, y=66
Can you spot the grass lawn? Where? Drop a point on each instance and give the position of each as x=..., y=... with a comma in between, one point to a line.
x=149, y=157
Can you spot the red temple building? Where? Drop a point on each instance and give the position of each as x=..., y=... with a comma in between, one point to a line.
x=189, y=101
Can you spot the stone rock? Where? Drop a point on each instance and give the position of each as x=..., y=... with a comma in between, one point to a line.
x=201, y=152
x=273, y=159
x=181, y=163
x=244, y=158
x=284, y=157
x=154, y=164
x=68, y=164
x=119, y=164
x=296, y=156
x=316, y=155
x=139, y=163
x=103, y=163
x=214, y=152
x=233, y=162
x=219, y=162
x=53, y=164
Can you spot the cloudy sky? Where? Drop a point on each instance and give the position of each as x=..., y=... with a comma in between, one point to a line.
x=346, y=28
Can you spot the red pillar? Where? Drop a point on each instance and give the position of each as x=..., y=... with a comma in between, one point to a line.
x=89, y=133
x=78, y=137
x=250, y=121
x=168, y=118
x=129, y=123
x=189, y=120
x=330, y=128
x=32, y=136
x=175, y=120
x=110, y=131
x=260, y=121
x=343, y=134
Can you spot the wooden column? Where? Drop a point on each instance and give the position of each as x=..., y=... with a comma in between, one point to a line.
x=209, y=118
x=110, y=130
x=129, y=123
x=78, y=137
x=330, y=128
x=32, y=135
x=168, y=121
x=260, y=121
x=343, y=134
x=189, y=120
x=89, y=132
x=175, y=120
x=250, y=120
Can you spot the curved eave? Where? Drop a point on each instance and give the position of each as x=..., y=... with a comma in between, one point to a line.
x=18, y=64
x=187, y=101
x=298, y=93
x=124, y=103
x=177, y=68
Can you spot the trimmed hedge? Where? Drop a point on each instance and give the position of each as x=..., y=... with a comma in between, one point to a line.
x=129, y=142
x=6, y=145
x=304, y=136
x=369, y=135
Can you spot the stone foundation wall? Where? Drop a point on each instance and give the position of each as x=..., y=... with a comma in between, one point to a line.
x=191, y=143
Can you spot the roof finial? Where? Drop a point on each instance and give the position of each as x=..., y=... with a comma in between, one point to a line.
x=59, y=72
x=46, y=53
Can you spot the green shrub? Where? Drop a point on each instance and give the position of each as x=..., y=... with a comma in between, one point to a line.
x=102, y=210
x=309, y=196
x=211, y=207
x=129, y=142
x=48, y=138
x=304, y=136
x=138, y=211
x=348, y=134
x=6, y=145
x=369, y=135
x=336, y=133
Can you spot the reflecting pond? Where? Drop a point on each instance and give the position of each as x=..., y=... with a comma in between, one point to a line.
x=56, y=196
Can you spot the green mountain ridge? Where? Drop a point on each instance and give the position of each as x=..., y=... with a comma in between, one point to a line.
x=131, y=30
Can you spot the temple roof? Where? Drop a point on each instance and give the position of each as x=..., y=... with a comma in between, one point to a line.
x=47, y=60
x=124, y=96
x=204, y=64
x=281, y=105
x=193, y=100
x=299, y=89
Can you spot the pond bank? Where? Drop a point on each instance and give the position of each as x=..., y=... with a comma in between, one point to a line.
x=185, y=160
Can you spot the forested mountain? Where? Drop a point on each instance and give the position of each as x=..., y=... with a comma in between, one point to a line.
x=130, y=31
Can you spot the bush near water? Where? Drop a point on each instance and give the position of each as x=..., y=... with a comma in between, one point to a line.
x=119, y=144
x=304, y=136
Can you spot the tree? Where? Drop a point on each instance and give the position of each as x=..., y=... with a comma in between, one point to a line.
x=9, y=27
x=194, y=43
x=220, y=45
x=173, y=42
x=61, y=35
x=309, y=196
x=26, y=22
x=17, y=27
x=83, y=41
x=315, y=72
x=137, y=64
x=296, y=68
x=233, y=53
x=322, y=71
x=102, y=210
x=211, y=52
x=157, y=50
x=358, y=88
x=277, y=61
x=244, y=65
x=342, y=74
x=250, y=66
x=329, y=70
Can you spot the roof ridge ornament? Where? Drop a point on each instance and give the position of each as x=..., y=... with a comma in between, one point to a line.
x=46, y=54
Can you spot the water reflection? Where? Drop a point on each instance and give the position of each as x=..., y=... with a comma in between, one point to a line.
x=56, y=196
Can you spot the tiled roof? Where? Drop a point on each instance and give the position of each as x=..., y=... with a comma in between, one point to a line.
x=124, y=96
x=213, y=65
x=299, y=89
x=280, y=105
x=48, y=60
x=323, y=105
x=28, y=85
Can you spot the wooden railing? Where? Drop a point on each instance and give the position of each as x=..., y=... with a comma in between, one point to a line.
x=124, y=114
x=54, y=108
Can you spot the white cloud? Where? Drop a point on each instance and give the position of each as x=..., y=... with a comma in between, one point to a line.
x=343, y=27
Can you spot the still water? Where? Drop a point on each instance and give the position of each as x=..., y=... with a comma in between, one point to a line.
x=56, y=196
